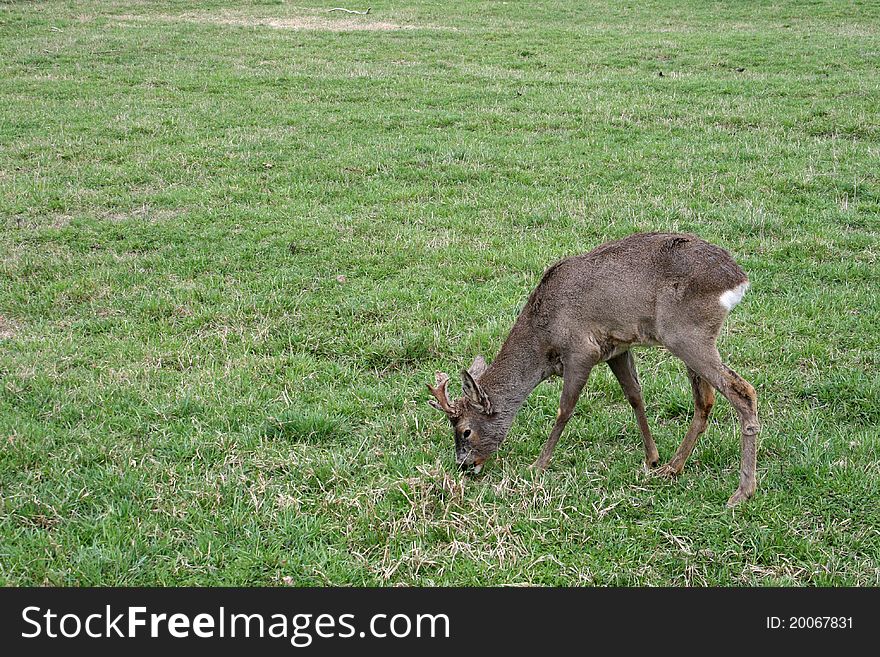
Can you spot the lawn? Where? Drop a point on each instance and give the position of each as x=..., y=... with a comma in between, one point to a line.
x=237, y=239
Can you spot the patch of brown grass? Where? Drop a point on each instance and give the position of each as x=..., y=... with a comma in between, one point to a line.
x=312, y=21
x=144, y=213
x=7, y=328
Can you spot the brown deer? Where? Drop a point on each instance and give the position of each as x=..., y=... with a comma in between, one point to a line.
x=664, y=289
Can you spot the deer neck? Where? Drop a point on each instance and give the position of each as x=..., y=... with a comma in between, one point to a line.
x=517, y=369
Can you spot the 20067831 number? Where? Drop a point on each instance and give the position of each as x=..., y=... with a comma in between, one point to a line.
x=810, y=623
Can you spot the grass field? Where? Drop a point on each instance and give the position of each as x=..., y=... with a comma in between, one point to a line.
x=239, y=237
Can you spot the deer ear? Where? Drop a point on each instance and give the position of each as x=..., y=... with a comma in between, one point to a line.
x=478, y=367
x=475, y=393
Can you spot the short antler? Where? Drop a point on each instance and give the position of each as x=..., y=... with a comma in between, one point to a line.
x=442, y=403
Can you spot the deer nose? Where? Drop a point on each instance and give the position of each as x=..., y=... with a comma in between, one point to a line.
x=472, y=466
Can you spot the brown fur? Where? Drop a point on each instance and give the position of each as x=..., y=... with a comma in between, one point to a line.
x=646, y=289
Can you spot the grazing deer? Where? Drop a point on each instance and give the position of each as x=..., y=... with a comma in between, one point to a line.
x=647, y=289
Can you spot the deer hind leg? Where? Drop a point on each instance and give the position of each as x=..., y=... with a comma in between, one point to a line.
x=704, y=399
x=624, y=368
x=742, y=396
x=574, y=379
x=703, y=358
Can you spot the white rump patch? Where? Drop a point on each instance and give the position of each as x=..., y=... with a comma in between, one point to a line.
x=732, y=297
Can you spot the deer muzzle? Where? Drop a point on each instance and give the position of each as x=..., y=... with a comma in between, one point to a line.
x=470, y=463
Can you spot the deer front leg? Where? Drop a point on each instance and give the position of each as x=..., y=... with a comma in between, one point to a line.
x=574, y=380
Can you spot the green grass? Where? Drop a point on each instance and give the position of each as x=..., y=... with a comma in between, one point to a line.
x=189, y=393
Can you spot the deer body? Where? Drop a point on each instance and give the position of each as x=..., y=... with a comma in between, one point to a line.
x=664, y=289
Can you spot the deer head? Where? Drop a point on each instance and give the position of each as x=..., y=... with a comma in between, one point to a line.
x=478, y=431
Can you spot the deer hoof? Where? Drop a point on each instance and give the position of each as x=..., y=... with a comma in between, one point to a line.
x=741, y=495
x=669, y=471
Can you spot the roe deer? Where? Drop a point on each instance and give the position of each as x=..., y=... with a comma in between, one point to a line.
x=664, y=289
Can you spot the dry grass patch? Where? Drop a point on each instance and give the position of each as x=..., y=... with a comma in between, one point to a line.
x=144, y=213
x=311, y=21
x=7, y=328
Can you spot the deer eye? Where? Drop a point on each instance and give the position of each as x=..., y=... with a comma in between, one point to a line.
x=466, y=434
